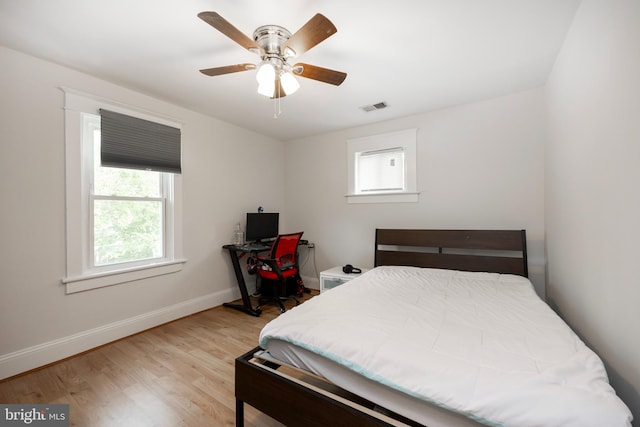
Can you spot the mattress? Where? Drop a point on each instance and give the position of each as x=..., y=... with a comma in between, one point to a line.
x=444, y=347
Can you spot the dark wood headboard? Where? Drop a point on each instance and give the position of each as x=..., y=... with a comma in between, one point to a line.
x=498, y=251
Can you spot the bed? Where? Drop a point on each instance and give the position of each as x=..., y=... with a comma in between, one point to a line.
x=446, y=330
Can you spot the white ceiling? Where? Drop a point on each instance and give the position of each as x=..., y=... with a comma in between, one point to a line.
x=415, y=55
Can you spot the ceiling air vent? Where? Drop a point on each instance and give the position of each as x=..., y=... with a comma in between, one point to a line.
x=373, y=107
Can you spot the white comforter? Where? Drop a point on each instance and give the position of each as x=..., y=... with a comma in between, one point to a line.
x=480, y=344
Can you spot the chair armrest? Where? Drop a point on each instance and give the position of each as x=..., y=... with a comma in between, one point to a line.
x=277, y=266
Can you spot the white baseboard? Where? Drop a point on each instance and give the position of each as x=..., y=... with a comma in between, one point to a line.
x=52, y=351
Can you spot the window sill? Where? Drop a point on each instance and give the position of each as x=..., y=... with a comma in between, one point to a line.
x=102, y=279
x=383, y=198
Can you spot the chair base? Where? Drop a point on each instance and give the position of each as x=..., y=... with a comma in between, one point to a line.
x=279, y=300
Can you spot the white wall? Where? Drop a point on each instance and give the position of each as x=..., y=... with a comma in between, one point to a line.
x=38, y=322
x=479, y=166
x=592, y=186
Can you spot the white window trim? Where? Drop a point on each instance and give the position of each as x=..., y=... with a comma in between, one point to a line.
x=78, y=277
x=405, y=139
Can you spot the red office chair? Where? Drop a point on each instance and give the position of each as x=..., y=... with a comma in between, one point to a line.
x=280, y=267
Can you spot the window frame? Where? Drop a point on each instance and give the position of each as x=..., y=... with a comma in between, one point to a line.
x=81, y=275
x=404, y=140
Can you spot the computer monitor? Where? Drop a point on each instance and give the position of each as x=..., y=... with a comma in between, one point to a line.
x=262, y=226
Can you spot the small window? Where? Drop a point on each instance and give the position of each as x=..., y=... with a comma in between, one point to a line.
x=380, y=171
x=382, y=168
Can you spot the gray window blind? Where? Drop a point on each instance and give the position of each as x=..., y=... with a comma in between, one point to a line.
x=133, y=143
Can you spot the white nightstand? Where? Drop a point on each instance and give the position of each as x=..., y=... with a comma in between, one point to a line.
x=335, y=277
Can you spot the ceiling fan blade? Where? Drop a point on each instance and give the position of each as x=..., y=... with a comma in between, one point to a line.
x=228, y=69
x=313, y=32
x=318, y=73
x=222, y=25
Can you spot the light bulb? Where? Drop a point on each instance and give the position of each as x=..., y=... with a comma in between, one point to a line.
x=289, y=83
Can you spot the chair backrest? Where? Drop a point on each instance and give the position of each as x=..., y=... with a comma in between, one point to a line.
x=285, y=247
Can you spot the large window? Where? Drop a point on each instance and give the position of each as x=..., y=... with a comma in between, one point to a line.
x=122, y=223
x=382, y=168
x=127, y=220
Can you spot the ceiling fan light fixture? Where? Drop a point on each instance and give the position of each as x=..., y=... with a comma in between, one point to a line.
x=267, y=88
x=274, y=44
x=289, y=83
x=266, y=77
x=266, y=73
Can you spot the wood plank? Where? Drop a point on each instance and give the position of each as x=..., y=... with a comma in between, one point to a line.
x=508, y=240
x=500, y=251
x=180, y=373
x=504, y=265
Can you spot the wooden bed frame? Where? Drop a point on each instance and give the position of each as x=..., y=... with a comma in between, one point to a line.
x=300, y=399
x=497, y=251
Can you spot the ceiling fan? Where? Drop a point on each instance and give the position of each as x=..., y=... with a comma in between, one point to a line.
x=276, y=46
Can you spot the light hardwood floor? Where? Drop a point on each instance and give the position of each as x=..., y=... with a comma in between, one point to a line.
x=177, y=374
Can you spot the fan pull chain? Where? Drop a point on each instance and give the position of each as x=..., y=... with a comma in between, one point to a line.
x=276, y=104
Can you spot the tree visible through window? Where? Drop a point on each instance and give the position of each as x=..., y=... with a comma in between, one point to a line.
x=122, y=224
x=127, y=212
